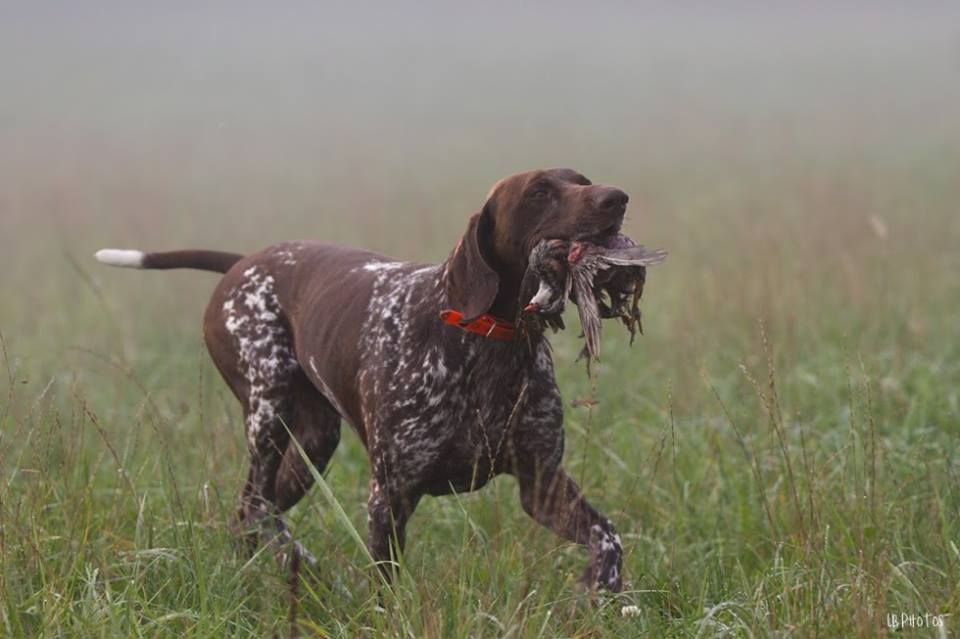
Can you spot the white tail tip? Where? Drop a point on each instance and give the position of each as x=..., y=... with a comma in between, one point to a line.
x=120, y=257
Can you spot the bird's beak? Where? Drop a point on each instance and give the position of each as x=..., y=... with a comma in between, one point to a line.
x=543, y=295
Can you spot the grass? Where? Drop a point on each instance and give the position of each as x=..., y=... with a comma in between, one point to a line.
x=779, y=451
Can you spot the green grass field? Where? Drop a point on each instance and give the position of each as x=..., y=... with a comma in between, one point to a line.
x=779, y=451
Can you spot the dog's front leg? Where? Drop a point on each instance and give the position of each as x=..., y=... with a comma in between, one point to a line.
x=388, y=514
x=554, y=500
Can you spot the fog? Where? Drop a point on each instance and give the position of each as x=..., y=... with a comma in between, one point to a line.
x=353, y=107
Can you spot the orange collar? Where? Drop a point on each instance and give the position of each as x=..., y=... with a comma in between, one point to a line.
x=486, y=325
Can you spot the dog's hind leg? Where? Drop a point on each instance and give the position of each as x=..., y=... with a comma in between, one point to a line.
x=278, y=480
x=267, y=416
x=252, y=346
x=316, y=427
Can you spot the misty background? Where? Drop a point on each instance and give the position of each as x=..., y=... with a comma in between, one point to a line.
x=236, y=125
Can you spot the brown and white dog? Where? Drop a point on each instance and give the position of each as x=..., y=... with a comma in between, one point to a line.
x=420, y=359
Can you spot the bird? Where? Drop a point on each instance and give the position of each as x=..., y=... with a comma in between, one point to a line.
x=604, y=280
x=614, y=271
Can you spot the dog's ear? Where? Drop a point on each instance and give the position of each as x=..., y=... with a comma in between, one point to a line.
x=472, y=282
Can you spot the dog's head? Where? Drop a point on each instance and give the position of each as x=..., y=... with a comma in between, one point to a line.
x=486, y=268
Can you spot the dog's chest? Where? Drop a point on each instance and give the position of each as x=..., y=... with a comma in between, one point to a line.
x=455, y=424
x=437, y=402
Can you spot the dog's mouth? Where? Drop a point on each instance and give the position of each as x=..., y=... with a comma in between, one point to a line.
x=609, y=237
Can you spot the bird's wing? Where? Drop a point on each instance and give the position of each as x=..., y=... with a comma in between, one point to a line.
x=633, y=256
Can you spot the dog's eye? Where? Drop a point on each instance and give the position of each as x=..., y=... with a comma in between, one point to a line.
x=539, y=193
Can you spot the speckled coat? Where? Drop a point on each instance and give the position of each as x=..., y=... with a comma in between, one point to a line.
x=308, y=334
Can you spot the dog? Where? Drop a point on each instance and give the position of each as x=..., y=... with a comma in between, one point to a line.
x=422, y=360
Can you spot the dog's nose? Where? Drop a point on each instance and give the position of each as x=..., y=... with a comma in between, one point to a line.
x=612, y=200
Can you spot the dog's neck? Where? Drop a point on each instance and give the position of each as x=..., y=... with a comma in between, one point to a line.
x=506, y=307
x=506, y=304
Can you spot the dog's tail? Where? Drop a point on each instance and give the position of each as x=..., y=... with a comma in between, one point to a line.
x=216, y=261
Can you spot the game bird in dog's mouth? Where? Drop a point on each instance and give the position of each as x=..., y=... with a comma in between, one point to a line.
x=421, y=360
x=598, y=278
